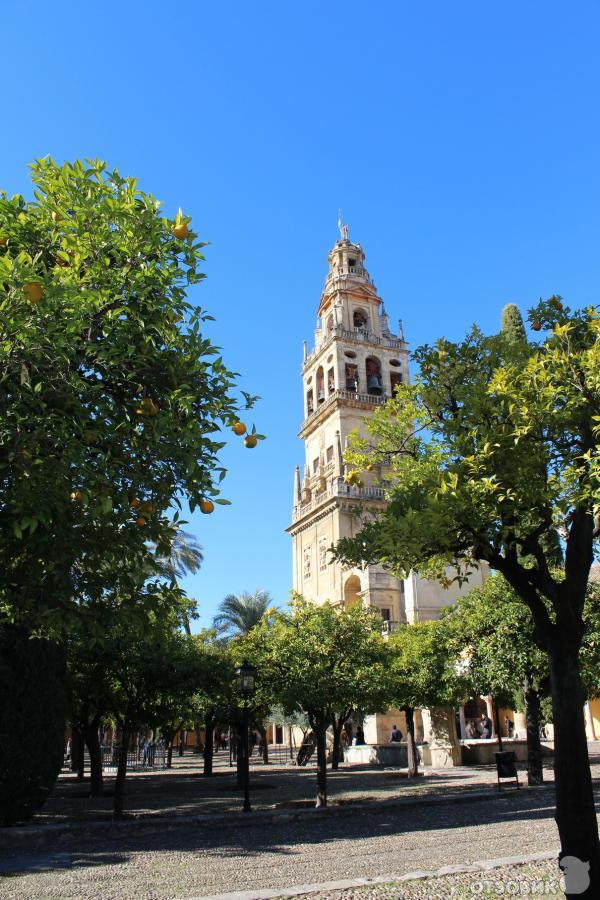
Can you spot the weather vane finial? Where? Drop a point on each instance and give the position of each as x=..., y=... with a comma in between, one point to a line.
x=343, y=228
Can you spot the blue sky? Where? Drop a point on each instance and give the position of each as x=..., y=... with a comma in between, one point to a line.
x=460, y=139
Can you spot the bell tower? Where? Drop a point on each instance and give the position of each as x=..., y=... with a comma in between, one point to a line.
x=353, y=368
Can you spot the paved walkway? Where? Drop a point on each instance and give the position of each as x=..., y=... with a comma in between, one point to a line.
x=198, y=861
x=183, y=790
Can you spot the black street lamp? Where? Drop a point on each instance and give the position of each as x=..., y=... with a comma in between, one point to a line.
x=246, y=677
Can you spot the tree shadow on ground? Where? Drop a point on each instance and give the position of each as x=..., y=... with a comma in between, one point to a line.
x=249, y=839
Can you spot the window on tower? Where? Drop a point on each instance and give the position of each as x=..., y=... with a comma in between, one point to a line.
x=373, y=373
x=330, y=381
x=320, y=385
x=359, y=319
x=395, y=380
x=322, y=554
x=329, y=456
x=310, y=406
x=315, y=465
x=351, y=377
x=330, y=323
x=307, y=562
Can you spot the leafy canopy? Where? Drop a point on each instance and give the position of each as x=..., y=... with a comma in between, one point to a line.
x=111, y=397
x=486, y=456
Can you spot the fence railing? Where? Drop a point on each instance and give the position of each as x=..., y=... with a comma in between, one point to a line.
x=152, y=757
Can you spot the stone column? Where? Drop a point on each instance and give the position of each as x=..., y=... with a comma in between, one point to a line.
x=589, y=723
x=439, y=727
x=520, y=726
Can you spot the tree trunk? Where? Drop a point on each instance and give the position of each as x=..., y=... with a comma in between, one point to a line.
x=575, y=812
x=77, y=749
x=170, y=754
x=121, y=772
x=535, y=772
x=92, y=740
x=209, y=734
x=320, y=731
x=264, y=746
x=411, y=744
x=338, y=725
x=182, y=742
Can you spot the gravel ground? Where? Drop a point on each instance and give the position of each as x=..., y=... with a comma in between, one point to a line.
x=533, y=880
x=199, y=861
x=183, y=791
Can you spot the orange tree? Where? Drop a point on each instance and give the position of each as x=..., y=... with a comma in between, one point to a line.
x=111, y=396
x=325, y=662
x=488, y=454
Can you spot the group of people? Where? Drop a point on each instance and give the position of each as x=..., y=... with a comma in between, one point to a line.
x=472, y=731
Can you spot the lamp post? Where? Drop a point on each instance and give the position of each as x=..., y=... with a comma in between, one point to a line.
x=246, y=677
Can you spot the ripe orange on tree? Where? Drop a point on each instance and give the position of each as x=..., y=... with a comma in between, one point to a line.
x=206, y=506
x=140, y=522
x=250, y=441
x=147, y=407
x=180, y=230
x=34, y=291
x=238, y=428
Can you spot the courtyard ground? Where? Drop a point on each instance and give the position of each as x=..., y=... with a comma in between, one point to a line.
x=222, y=854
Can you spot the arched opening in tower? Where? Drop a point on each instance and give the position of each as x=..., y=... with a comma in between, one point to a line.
x=352, y=591
x=320, y=385
x=373, y=372
x=360, y=319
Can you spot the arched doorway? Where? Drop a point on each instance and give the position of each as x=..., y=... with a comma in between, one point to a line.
x=352, y=589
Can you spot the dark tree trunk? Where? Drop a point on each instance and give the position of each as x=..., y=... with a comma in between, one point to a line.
x=182, y=742
x=496, y=714
x=411, y=744
x=198, y=741
x=320, y=730
x=92, y=740
x=77, y=748
x=121, y=772
x=337, y=724
x=209, y=735
x=264, y=746
x=170, y=754
x=575, y=812
x=535, y=771
x=337, y=742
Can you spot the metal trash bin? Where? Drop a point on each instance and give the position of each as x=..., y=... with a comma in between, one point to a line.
x=506, y=766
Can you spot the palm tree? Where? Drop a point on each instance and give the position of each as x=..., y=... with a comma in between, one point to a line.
x=238, y=614
x=236, y=617
x=185, y=555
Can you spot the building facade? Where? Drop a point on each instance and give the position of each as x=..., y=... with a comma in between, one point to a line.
x=353, y=368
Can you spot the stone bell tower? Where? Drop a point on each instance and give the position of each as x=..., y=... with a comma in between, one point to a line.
x=354, y=366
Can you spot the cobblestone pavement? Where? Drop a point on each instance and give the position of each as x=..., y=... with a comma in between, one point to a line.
x=203, y=860
x=533, y=880
x=182, y=791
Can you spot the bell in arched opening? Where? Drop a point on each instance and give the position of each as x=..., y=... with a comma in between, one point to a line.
x=373, y=386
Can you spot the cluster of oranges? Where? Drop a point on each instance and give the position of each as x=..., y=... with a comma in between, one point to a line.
x=239, y=428
x=143, y=510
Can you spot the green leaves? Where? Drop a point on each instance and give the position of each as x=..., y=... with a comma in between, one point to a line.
x=105, y=389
